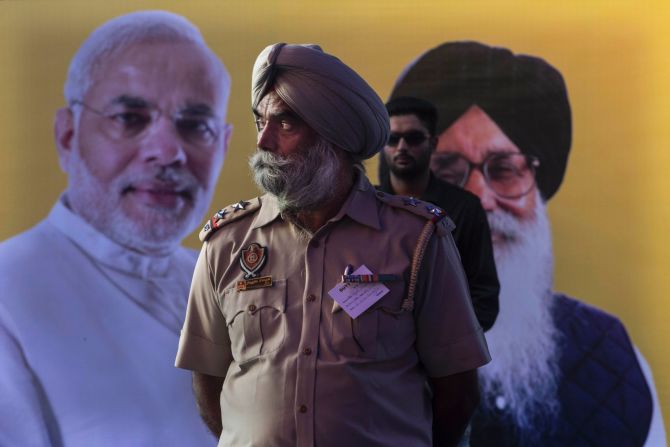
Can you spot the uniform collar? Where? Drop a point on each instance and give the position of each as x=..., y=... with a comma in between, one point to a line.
x=360, y=205
x=103, y=249
x=269, y=211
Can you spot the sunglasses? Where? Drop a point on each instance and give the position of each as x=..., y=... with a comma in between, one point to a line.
x=412, y=138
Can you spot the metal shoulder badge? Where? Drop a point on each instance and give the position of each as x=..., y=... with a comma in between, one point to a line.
x=443, y=224
x=228, y=214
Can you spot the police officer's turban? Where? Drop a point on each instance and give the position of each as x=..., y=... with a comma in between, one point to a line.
x=329, y=96
x=524, y=95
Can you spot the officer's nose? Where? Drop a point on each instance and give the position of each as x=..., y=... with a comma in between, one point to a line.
x=267, y=139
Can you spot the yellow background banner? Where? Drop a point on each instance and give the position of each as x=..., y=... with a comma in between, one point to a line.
x=610, y=241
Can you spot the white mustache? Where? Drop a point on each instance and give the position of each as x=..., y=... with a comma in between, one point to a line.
x=178, y=180
x=504, y=225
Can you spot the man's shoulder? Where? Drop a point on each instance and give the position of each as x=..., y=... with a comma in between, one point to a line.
x=27, y=245
x=186, y=255
x=33, y=261
x=451, y=197
x=234, y=212
x=565, y=306
x=581, y=320
x=424, y=211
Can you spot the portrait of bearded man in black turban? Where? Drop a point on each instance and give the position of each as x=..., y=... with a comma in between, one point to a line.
x=563, y=372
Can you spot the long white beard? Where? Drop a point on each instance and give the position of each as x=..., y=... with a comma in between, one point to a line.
x=522, y=378
x=301, y=181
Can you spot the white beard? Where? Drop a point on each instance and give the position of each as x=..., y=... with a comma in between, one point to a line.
x=157, y=230
x=522, y=378
x=301, y=181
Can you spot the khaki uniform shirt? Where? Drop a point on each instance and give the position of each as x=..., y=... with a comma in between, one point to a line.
x=298, y=370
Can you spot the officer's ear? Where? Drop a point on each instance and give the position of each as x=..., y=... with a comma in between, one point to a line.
x=64, y=136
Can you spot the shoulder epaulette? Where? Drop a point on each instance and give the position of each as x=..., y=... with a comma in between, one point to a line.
x=227, y=215
x=437, y=215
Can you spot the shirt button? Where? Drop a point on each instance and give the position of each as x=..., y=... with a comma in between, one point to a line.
x=311, y=298
x=307, y=351
x=303, y=408
x=251, y=307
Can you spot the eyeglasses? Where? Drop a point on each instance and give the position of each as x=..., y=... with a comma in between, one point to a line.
x=509, y=175
x=130, y=120
x=412, y=138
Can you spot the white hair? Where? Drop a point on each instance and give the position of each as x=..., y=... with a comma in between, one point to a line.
x=123, y=31
x=523, y=376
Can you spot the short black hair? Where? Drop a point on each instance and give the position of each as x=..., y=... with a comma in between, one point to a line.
x=408, y=105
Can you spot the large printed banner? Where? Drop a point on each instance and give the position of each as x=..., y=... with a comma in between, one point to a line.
x=578, y=92
x=563, y=372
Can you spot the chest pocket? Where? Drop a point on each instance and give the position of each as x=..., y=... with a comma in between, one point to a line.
x=256, y=320
x=381, y=332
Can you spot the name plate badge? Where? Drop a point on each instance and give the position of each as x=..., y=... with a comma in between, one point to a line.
x=254, y=283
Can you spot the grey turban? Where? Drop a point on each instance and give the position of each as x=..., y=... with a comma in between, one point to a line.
x=524, y=95
x=329, y=96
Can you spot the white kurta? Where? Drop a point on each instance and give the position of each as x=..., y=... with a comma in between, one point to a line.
x=88, y=334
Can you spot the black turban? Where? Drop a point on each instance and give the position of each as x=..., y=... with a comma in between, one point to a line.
x=328, y=95
x=524, y=95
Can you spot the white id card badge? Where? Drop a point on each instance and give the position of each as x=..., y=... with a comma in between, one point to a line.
x=356, y=298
